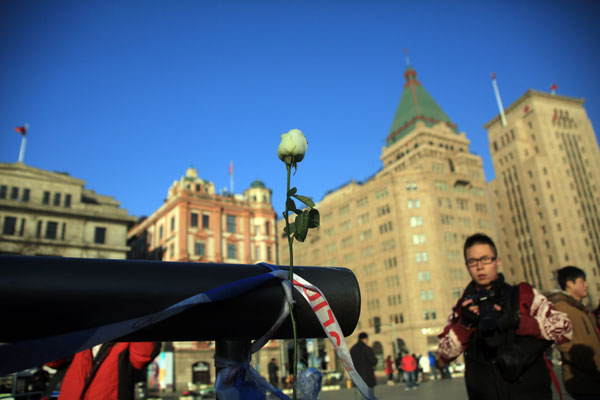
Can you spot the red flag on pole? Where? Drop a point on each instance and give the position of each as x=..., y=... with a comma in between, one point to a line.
x=493, y=75
x=554, y=86
x=21, y=129
x=230, y=167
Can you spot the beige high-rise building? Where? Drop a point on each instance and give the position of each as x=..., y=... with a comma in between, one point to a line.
x=48, y=213
x=545, y=193
x=402, y=230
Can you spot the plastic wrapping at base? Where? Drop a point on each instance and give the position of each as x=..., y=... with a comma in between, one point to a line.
x=231, y=384
x=309, y=384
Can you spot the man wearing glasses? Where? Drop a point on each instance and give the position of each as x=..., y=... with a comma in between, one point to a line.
x=503, y=331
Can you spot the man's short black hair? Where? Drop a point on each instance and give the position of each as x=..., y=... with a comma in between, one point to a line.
x=363, y=335
x=479, y=238
x=569, y=273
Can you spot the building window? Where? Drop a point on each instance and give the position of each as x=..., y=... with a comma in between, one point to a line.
x=231, y=225
x=38, y=230
x=14, y=193
x=46, y=198
x=200, y=249
x=9, y=226
x=63, y=231
x=231, y=251
x=160, y=232
x=172, y=224
x=22, y=228
x=269, y=253
x=51, y=228
x=67, y=200
x=416, y=221
x=100, y=235
x=257, y=253
x=3, y=190
x=56, y=201
x=205, y=220
x=194, y=220
x=25, y=197
x=267, y=228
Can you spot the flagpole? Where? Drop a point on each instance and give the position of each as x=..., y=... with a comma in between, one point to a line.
x=498, y=100
x=23, y=143
x=231, y=177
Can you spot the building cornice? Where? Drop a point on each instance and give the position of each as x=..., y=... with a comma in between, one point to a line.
x=529, y=94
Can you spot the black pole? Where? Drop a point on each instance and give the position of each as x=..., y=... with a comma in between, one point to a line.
x=46, y=296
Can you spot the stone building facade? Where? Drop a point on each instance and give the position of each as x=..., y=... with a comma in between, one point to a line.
x=52, y=214
x=402, y=230
x=195, y=224
x=546, y=193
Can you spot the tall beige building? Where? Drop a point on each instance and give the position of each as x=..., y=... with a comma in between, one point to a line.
x=545, y=194
x=52, y=214
x=402, y=230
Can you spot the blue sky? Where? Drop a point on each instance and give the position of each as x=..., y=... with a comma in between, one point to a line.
x=127, y=95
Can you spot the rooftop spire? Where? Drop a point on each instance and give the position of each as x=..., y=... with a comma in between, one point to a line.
x=415, y=104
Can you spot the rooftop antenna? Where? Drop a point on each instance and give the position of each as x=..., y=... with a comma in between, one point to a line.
x=498, y=100
x=406, y=58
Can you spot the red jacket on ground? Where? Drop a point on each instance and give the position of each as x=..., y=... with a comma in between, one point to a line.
x=112, y=378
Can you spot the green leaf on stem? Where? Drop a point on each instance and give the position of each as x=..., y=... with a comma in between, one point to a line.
x=291, y=206
x=306, y=200
x=292, y=191
x=301, y=226
x=292, y=229
x=314, y=219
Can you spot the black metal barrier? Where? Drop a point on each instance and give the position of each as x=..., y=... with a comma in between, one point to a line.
x=44, y=296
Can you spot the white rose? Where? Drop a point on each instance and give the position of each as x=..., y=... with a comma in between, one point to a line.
x=292, y=147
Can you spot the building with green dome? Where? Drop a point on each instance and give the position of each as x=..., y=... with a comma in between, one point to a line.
x=402, y=230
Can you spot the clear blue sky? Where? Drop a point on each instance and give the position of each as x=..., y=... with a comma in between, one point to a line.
x=127, y=94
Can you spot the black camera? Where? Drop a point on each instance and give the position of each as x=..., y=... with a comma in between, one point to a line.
x=488, y=314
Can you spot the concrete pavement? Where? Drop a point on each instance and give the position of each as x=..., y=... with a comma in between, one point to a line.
x=447, y=389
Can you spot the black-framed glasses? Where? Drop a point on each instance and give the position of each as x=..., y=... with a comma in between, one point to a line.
x=485, y=260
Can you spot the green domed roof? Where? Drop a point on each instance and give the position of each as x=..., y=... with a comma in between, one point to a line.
x=257, y=184
x=415, y=104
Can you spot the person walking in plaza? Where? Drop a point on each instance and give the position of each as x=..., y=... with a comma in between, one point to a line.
x=432, y=364
x=273, y=373
x=364, y=361
x=424, y=367
x=105, y=371
x=409, y=368
x=398, y=364
x=389, y=370
x=580, y=356
x=504, y=331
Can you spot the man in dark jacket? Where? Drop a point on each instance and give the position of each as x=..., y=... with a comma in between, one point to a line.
x=503, y=330
x=273, y=373
x=364, y=361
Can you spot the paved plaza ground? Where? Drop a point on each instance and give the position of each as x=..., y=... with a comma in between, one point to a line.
x=446, y=389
